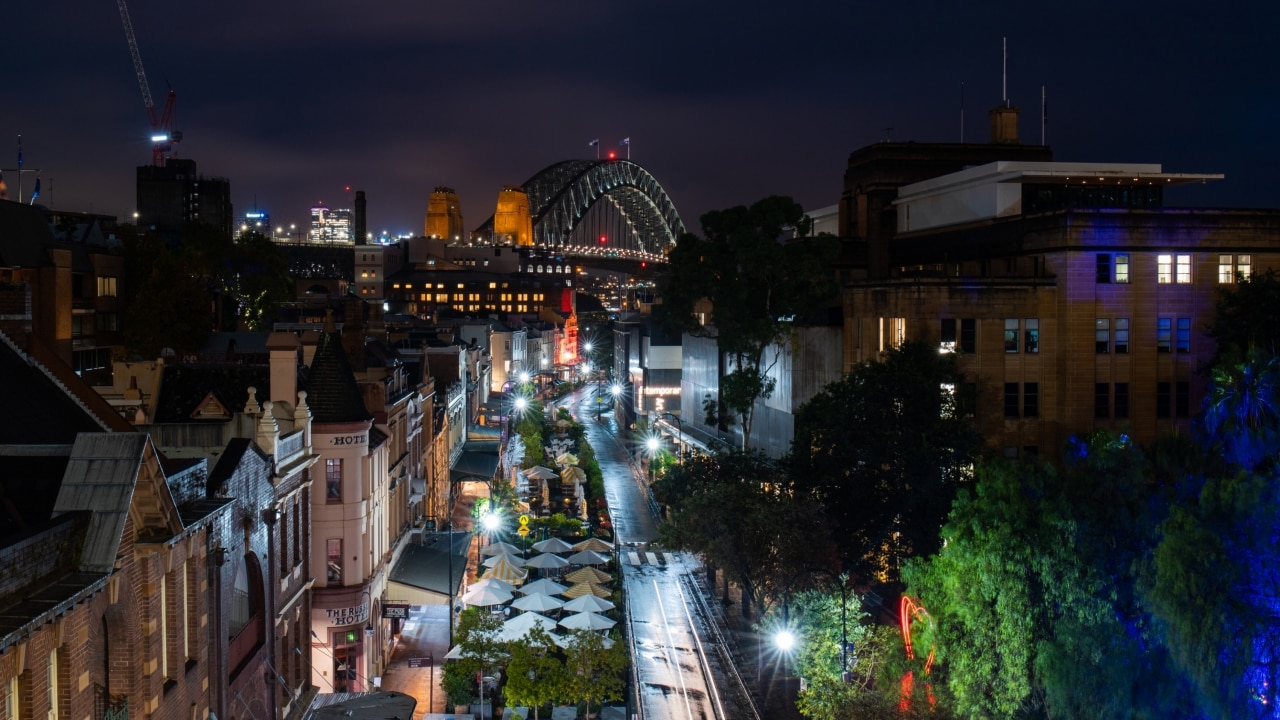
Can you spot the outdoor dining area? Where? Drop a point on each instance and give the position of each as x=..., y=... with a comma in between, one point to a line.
x=570, y=591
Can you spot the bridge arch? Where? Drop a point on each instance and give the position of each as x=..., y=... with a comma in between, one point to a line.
x=569, y=199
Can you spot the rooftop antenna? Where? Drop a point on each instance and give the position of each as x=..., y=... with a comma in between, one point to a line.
x=1044, y=113
x=1004, y=71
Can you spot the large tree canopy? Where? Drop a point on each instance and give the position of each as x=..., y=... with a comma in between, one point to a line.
x=759, y=286
x=884, y=451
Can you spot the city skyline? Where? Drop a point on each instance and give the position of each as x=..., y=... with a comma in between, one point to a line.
x=723, y=103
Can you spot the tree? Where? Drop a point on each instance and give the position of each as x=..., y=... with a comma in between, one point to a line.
x=594, y=671
x=1214, y=585
x=1033, y=598
x=884, y=451
x=1242, y=411
x=535, y=676
x=759, y=287
x=256, y=279
x=1244, y=315
x=169, y=310
x=480, y=648
x=741, y=512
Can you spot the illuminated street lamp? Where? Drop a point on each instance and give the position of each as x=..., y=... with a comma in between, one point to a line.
x=651, y=444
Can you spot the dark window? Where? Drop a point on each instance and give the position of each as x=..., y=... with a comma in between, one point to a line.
x=1011, y=400
x=1102, y=335
x=949, y=333
x=1104, y=268
x=1182, y=398
x=1031, y=400
x=1164, y=328
x=1184, y=335
x=968, y=336
x=1031, y=335
x=1122, y=336
x=1030, y=451
x=1101, y=400
x=1162, y=399
x=1011, y=335
x=1122, y=400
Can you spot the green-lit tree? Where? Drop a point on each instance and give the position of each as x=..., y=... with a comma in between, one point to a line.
x=759, y=285
x=535, y=676
x=594, y=668
x=884, y=451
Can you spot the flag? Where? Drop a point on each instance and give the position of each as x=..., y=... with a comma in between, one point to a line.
x=594, y=143
x=36, y=193
x=4, y=189
x=626, y=141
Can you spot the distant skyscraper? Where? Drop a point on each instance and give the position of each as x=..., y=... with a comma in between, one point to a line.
x=255, y=221
x=174, y=195
x=444, y=215
x=330, y=227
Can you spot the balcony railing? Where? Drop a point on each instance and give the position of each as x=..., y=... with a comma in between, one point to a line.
x=109, y=707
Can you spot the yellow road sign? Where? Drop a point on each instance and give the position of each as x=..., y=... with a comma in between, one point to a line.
x=524, y=520
x=523, y=530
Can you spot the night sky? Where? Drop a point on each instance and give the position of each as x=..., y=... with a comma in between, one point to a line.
x=725, y=102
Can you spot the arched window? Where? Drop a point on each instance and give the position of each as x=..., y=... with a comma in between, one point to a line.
x=248, y=614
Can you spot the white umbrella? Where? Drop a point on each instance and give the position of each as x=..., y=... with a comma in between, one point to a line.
x=554, y=545
x=539, y=472
x=486, y=596
x=544, y=586
x=587, y=621
x=492, y=582
x=500, y=547
x=538, y=602
x=498, y=557
x=546, y=561
x=588, y=603
x=587, y=557
x=517, y=626
x=564, y=641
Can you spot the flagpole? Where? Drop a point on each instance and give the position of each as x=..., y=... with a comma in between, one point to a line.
x=1042, y=114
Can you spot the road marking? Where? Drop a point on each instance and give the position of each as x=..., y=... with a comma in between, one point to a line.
x=671, y=647
x=710, y=677
x=633, y=558
x=671, y=560
x=653, y=559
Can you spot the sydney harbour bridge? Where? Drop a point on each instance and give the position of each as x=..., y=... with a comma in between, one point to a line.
x=607, y=212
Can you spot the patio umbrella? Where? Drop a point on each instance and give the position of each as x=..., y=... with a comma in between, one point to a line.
x=588, y=603
x=486, y=596
x=492, y=582
x=588, y=574
x=554, y=545
x=524, y=622
x=546, y=561
x=587, y=621
x=567, y=459
x=538, y=472
x=537, y=602
x=594, y=545
x=586, y=588
x=544, y=586
x=497, y=558
x=507, y=570
x=564, y=641
x=500, y=547
x=587, y=557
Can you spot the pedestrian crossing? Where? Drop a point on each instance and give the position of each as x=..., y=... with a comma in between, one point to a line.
x=649, y=558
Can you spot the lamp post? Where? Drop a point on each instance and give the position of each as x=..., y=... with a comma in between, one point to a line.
x=651, y=444
x=679, y=431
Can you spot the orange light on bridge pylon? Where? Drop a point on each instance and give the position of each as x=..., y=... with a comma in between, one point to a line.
x=604, y=239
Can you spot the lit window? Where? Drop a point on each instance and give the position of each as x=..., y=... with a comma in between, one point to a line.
x=107, y=286
x=1244, y=266
x=1011, y=335
x=1164, y=269
x=1184, y=269
x=948, y=343
x=1122, y=268
x=333, y=479
x=1031, y=335
x=333, y=557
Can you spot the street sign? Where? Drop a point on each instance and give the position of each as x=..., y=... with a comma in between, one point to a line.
x=524, y=519
x=395, y=611
x=523, y=530
x=421, y=662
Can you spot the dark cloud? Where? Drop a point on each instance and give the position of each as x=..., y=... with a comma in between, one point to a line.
x=724, y=101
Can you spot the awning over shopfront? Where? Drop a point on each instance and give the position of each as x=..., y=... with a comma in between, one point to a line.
x=478, y=461
x=421, y=577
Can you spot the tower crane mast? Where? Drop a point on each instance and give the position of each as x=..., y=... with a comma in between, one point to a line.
x=163, y=136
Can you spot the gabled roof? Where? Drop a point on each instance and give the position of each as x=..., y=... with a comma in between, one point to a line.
x=116, y=475
x=185, y=388
x=40, y=412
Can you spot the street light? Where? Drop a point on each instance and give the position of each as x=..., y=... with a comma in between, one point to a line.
x=679, y=431
x=652, y=443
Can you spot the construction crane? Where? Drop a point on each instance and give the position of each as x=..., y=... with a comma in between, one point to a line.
x=163, y=136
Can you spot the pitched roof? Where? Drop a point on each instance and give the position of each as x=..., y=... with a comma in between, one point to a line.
x=185, y=387
x=332, y=393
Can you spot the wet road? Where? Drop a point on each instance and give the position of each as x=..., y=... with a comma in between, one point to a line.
x=681, y=665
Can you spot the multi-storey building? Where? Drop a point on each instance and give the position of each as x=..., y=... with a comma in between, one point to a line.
x=330, y=227
x=174, y=195
x=1075, y=300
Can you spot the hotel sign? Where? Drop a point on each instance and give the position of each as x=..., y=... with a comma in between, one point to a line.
x=348, y=615
x=395, y=611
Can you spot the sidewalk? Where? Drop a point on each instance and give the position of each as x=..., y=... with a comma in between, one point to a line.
x=424, y=635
